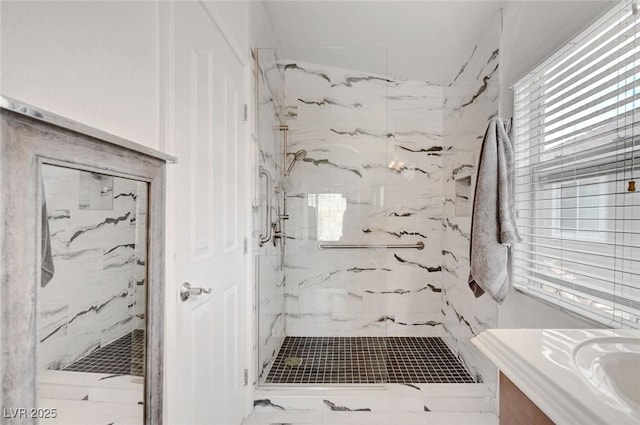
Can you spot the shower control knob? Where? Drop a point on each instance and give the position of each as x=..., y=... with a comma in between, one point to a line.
x=186, y=291
x=278, y=236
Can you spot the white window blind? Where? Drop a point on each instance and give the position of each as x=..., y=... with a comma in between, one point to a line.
x=577, y=145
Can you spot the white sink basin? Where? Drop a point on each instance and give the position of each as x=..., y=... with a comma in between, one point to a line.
x=611, y=365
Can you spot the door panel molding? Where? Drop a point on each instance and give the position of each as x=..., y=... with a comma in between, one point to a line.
x=231, y=210
x=201, y=147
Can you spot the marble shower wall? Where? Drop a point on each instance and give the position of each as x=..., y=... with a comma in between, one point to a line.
x=98, y=239
x=372, y=175
x=268, y=258
x=471, y=100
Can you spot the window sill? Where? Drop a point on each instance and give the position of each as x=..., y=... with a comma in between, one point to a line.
x=589, y=319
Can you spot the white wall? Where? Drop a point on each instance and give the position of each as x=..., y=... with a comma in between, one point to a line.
x=261, y=31
x=233, y=19
x=531, y=32
x=95, y=62
x=523, y=311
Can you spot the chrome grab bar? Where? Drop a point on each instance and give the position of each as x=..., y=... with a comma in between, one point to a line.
x=418, y=245
x=266, y=238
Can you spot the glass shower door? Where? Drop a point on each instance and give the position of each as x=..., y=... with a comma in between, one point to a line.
x=334, y=174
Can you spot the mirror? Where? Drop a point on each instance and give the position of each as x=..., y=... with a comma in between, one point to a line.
x=82, y=272
x=91, y=300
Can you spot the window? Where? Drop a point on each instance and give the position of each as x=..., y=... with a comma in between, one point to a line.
x=577, y=146
x=329, y=210
x=579, y=212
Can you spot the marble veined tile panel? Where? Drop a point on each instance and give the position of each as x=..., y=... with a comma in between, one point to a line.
x=470, y=101
x=373, y=175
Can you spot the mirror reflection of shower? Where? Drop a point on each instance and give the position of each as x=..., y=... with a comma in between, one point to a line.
x=298, y=156
x=92, y=300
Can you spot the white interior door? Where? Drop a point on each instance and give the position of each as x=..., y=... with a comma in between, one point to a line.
x=209, y=220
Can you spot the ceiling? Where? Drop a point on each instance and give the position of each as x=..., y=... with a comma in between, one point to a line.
x=402, y=27
x=423, y=40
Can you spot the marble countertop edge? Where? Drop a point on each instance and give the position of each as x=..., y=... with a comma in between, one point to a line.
x=556, y=401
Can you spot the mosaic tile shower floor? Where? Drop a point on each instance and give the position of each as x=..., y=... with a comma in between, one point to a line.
x=366, y=360
x=123, y=356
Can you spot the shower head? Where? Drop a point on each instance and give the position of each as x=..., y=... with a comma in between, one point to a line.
x=298, y=156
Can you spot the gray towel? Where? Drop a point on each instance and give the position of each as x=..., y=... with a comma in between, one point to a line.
x=493, y=226
x=46, y=264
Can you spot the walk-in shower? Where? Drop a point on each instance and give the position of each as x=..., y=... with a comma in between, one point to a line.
x=354, y=297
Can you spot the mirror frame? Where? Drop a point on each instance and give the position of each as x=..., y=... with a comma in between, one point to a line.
x=30, y=137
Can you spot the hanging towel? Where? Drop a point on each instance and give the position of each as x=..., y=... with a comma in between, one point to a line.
x=493, y=226
x=46, y=263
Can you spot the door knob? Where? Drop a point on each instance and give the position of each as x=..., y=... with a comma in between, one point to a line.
x=186, y=291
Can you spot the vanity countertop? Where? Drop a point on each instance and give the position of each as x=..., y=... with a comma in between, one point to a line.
x=541, y=363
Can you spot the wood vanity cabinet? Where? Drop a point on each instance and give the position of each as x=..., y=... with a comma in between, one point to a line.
x=516, y=408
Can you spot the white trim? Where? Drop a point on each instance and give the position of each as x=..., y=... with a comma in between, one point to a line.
x=249, y=292
x=166, y=46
